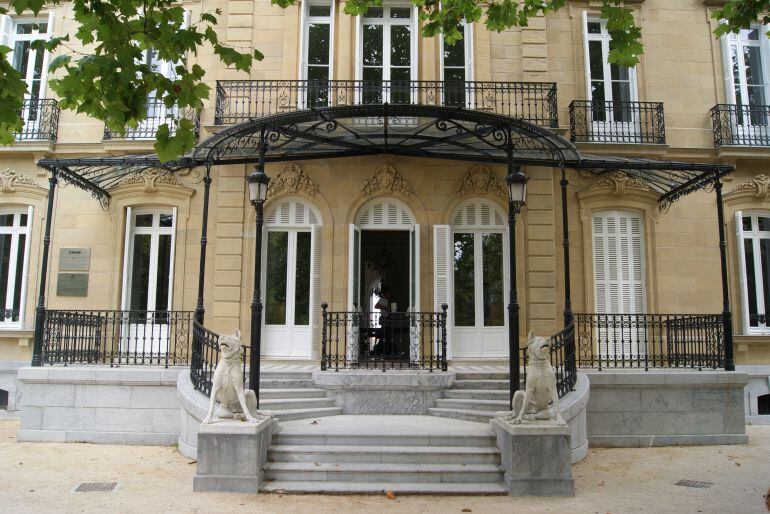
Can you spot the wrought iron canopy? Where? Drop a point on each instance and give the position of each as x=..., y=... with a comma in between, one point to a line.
x=413, y=130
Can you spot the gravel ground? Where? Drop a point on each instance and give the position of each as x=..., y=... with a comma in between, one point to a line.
x=41, y=477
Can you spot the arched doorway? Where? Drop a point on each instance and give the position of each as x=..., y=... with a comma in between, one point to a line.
x=291, y=277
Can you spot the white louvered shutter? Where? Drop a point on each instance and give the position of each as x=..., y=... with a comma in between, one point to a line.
x=742, y=271
x=315, y=286
x=727, y=69
x=442, y=275
x=126, y=258
x=6, y=31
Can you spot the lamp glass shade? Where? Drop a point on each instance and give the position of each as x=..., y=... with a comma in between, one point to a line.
x=258, y=182
x=517, y=188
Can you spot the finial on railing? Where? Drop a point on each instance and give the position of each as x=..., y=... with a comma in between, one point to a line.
x=444, y=307
x=324, y=306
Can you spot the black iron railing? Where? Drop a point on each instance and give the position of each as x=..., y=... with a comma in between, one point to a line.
x=9, y=315
x=205, y=357
x=370, y=340
x=157, y=114
x=117, y=338
x=241, y=100
x=617, y=122
x=41, y=120
x=741, y=125
x=563, y=360
x=650, y=340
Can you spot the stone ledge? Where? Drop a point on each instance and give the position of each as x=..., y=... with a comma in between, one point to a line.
x=665, y=440
x=652, y=378
x=102, y=375
x=80, y=436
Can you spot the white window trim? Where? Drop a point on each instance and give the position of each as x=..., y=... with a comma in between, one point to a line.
x=412, y=22
x=13, y=264
x=728, y=41
x=9, y=37
x=604, y=38
x=755, y=236
x=154, y=232
x=468, y=41
x=305, y=21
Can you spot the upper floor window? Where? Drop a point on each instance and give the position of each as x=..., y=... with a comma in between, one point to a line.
x=19, y=34
x=610, y=87
x=15, y=226
x=387, y=48
x=317, y=50
x=754, y=264
x=747, y=82
x=457, y=66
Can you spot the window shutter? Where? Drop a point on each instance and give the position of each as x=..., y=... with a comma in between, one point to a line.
x=315, y=286
x=442, y=272
x=171, y=261
x=742, y=271
x=727, y=69
x=126, y=258
x=600, y=265
x=586, y=65
x=6, y=27
x=25, y=271
x=47, y=55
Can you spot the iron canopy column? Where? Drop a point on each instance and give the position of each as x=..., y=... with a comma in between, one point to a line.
x=257, y=183
x=37, y=348
x=199, y=310
x=727, y=315
x=517, y=194
x=565, y=244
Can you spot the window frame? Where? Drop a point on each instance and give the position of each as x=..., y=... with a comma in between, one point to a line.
x=468, y=61
x=756, y=236
x=307, y=20
x=734, y=40
x=15, y=231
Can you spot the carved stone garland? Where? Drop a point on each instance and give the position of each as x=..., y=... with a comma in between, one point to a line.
x=9, y=179
x=480, y=180
x=620, y=183
x=291, y=179
x=151, y=178
x=759, y=185
x=387, y=180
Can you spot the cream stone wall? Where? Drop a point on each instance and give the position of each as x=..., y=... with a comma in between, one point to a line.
x=681, y=67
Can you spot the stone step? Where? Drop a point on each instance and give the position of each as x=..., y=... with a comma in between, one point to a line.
x=481, y=375
x=272, y=375
x=268, y=394
x=382, y=472
x=480, y=416
x=324, y=487
x=480, y=394
x=286, y=383
x=292, y=414
x=285, y=438
x=385, y=454
x=472, y=404
x=283, y=404
x=502, y=385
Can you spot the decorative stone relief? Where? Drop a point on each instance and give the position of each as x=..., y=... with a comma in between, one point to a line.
x=151, y=177
x=387, y=180
x=540, y=398
x=480, y=180
x=9, y=179
x=620, y=183
x=291, y=179
x=759, y=185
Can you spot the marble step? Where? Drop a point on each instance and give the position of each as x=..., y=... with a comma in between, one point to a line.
x=292, y=414
x=472, y=404
x=284, y=438
x=479, y=394
x=384, y=454
x=382, y=472
x=481, y=375
x=286, y=383
x=283, y=404
x=294, y=375
x=501, y=385
x=269, y=394
x=480, y=416
x=324, y=487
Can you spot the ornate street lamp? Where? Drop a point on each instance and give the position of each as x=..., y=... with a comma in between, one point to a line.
x=257, y=182
x=517, y=197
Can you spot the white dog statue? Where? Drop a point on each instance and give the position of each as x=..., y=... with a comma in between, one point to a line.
x=227, y=384
x=540, y=398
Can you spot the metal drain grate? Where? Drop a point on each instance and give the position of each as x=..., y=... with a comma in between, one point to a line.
x=694, y=483
x=96, y=487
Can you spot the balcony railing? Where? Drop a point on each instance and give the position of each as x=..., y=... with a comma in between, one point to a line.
x=41, y=120
x=650, y=340
x=617, y=122
x=241, y=100
x=741, y=125
x=157, y=115
x=151, y=338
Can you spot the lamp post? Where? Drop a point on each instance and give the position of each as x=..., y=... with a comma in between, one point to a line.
x=517, y=196
x=258, y=183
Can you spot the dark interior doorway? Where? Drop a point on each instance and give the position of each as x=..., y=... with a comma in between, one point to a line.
x=385, y=260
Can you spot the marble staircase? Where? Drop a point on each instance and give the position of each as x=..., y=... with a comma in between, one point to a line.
x=475, y=396
x=292, y=394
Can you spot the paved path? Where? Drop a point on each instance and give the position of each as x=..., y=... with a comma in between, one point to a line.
x=39, y=477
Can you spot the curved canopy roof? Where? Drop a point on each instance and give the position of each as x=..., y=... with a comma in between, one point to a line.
x=412, y=130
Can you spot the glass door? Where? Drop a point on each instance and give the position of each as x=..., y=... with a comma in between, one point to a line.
x=30, y=62
x=749, y=88
x=387, y=64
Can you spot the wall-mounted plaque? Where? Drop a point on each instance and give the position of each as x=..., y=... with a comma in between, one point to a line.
x=74, y=259
x=72, y=284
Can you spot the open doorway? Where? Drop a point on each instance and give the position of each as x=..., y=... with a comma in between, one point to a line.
x=385, y=263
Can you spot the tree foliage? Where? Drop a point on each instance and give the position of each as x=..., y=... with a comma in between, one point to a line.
x=98, y=70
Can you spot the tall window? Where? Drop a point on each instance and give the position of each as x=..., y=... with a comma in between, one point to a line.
x=747, y=80
x=456, y=66
x=619, y=274
x=317, y=51
x=148, y=268
x=754, y=252
x=14, y=250
x=610, y=87
x=388, y=41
